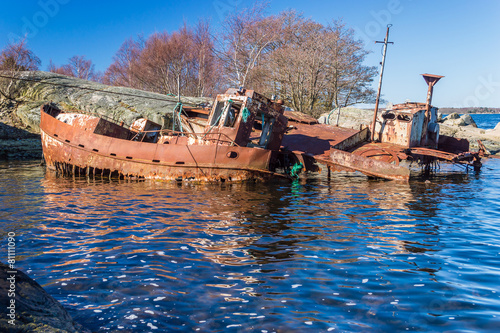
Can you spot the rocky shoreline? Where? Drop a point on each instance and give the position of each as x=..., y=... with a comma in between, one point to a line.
x=464, y=127
x=16, y=141
x=19, y=119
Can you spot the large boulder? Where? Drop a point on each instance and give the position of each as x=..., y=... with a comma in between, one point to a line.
x=453, y=115
x=69, y=93
x=348, y=117
x=455, y=120
x=34, y=309
x=468, y=121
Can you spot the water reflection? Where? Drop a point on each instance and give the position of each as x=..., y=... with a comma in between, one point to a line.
x=238, y=215
x=344, y=253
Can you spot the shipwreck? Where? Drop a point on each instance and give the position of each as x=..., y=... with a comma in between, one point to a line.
x=237, y=139
x=247, y=136
x=401, y=142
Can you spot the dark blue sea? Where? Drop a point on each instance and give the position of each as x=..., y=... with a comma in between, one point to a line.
x=345, y=254
x=486, y=121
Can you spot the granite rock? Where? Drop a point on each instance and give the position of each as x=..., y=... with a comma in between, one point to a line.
x=69, y=93
x=20, y=118
x=464, y=120
x=34, y=309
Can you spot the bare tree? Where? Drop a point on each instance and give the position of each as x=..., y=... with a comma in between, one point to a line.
x=247, y=37
x=80, y=67
x=179, y=62
x=312, y=66
x=123, y=70
x=59, y=70
x=164, y=62
x=298, y=65
x=348, y=80
x=14, y=59
x=77, y=66
x=182, y=61
x=317, y=68
x=206, y=62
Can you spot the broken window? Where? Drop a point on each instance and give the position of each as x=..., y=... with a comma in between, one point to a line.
x=219, y=108
x=267, y=129
x=404, y=117
x=232, y=114
x=226, y=113
x=388, y=116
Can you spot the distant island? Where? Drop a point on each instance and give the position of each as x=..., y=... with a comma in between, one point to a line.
x=469, y=110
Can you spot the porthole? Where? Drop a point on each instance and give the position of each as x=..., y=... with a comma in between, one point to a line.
x=232, y=154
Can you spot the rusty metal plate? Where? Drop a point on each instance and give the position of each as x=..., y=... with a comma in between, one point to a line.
x=300, y=117
x=316, y=140
x=370, y=166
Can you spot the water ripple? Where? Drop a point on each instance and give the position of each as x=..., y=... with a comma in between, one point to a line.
x=344, y=254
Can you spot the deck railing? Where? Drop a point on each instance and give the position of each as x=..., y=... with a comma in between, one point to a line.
x=216, y=138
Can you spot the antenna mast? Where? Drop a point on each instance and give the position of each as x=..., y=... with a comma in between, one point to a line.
x=386, y=41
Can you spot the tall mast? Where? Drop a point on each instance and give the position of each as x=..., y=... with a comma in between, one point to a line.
x=386, y=41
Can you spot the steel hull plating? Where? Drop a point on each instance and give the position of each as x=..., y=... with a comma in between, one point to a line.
x=75, y=149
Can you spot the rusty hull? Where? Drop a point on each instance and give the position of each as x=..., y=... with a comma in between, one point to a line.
x=74, y=147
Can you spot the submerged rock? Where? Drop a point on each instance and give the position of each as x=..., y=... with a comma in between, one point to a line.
x=21, y=149
x=34, y=309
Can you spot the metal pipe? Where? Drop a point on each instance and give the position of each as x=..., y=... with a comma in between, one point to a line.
x=431, y=80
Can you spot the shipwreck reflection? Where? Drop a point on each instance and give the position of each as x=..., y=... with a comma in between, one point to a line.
x=243, y=224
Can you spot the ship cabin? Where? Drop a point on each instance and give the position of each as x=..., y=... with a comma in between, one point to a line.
x=409, y=125
x=247, y=119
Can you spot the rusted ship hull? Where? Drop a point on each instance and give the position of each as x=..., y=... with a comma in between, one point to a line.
x=406, y=142
x=245, y=136
x=76, y=149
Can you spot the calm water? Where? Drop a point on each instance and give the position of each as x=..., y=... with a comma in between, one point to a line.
x=346, y=254
x=486, y=121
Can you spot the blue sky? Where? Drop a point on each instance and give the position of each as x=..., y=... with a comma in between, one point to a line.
x=459, y=39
